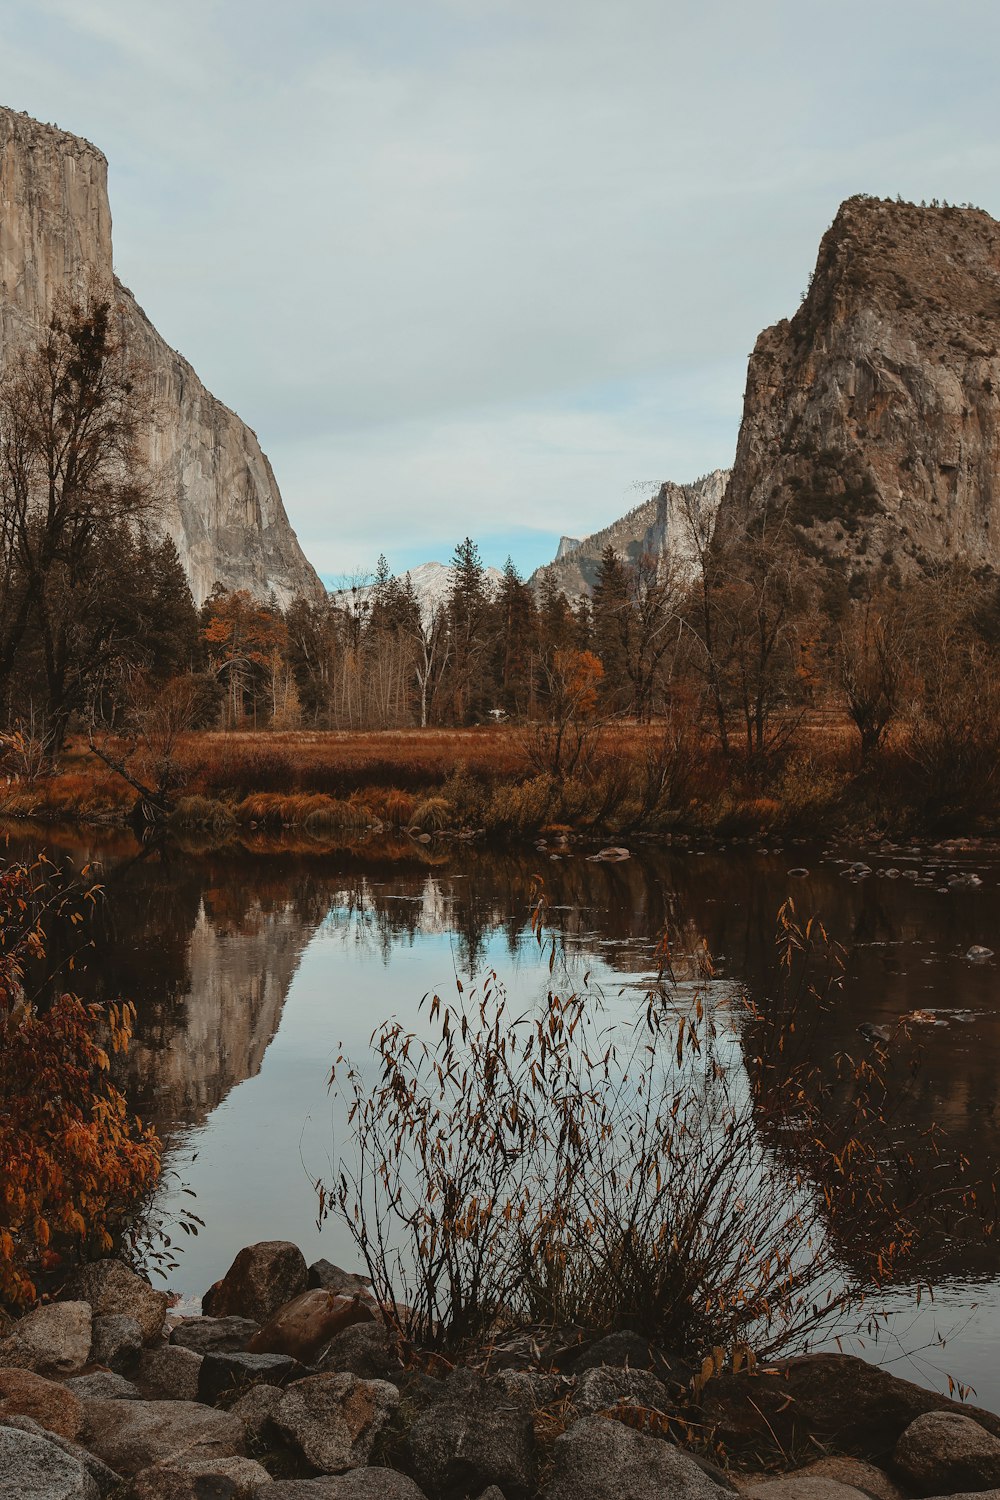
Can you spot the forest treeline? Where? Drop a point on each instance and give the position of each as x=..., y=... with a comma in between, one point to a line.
x=741, y=645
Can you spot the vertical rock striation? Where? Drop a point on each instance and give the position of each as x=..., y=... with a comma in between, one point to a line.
x=872, y=417
x=220, y=502
x=661, y=527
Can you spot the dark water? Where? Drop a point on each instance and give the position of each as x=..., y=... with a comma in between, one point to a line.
x=251, y=969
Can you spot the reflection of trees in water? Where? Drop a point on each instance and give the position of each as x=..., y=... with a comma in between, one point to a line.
x=208, y=944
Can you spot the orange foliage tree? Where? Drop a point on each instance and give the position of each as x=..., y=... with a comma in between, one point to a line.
x=73, y=1160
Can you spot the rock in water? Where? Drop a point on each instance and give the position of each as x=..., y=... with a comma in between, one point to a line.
x=221, y=503
x=261, y=1279
x=873, y=415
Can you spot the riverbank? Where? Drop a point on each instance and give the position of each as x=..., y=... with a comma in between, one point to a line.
x=295, y=1384
x=512, y=783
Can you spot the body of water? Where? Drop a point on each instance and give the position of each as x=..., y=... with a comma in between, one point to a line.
x=251, y=971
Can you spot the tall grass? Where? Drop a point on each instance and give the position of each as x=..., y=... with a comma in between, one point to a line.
x=691, y=1175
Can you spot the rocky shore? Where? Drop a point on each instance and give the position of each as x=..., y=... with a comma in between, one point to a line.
x=291, y=1385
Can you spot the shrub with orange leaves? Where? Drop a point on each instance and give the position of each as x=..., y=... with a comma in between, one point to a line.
x=73, y=1160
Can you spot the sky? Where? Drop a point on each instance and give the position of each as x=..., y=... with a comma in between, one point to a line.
x=494, y=267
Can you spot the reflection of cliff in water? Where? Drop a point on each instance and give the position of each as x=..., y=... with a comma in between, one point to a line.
x=207, y=945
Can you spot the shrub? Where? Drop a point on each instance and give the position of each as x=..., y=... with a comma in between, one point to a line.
x=695, y=1182
x=202, y=812
x=73, y=1161
x=433, y=814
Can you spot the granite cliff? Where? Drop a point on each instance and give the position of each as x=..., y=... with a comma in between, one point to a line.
x=660, y=526
x=872, y=417
x=220, y=502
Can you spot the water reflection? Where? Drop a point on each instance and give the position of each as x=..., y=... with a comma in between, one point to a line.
x=249, y=969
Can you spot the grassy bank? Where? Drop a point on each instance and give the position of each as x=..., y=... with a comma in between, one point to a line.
x=514, y=782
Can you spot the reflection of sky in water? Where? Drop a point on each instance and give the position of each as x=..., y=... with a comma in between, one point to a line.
x=253, y=1162
x=221, y=951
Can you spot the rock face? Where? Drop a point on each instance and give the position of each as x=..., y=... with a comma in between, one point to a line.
x=661, y=526
x=872, y=417
x=220, y=504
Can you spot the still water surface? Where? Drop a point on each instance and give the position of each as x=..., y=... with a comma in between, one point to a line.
x=251, y=970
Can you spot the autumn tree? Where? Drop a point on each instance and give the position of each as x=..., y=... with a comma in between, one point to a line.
x=74, y=408
x=245, y=642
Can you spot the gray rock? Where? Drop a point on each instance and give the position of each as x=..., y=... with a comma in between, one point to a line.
x=133, y=1435
x=113, y=1288
x=256, y=1409
x=472, y=1437
x=116, y=1341
x=333, y=1420
x=52, y=1340
x=942, y=1452
x=170, y=1373
x=625, y=1348
x=103, y=1385
x=202, y=1479
x=364, y=1349
x=802, y=1487
x=604, y=1388
x=232, y=1374
x=323, y=1273
x=214, y=1335
x=262, y=1278
x=107, y=1482
x=359, y=1484
x=533, y=1387
x=601, y=1460
x=33, y=1468
x=863, y=1476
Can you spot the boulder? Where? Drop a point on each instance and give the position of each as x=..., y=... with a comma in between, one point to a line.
x=365, y=1349
x=601, y=1460
x=469, y=1437
x=604, y=1388
x=801, y=1486
x=837, y=1400
x=304, y=1326
x=324, y=1274
x=944, y=1451
x=359, y=1484
x=255, y=1410
x=104, y=1481
x=213, y=1335
x=201, y=1479
x=625, y=1348
x=25, y=1394
x=169, y=1373
x=331, y=1421
x=116, y=1341
x=113, y=1288
x=232, y=1374
x=52, y=1340
x=32, y=1468
x=133, y=1435
x=174, y=1484
x=103, y=1385
x=261, y=1280
x=532, y=1387
x=854, y=1471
